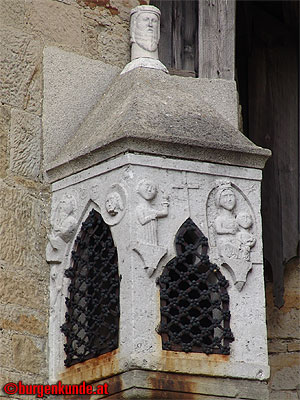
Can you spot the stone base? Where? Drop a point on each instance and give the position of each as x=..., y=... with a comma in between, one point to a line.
x=139, y=384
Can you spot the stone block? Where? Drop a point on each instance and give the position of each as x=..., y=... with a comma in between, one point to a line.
x=73, y=84
x=23, y=231
x=283, y=395
x=12, y=13
x=294, y=346
x=277, y=346
x=28, y=354
x=106, y=37
x=55, y=21
x=281, y=324
x=23, y=292
x=285, y=372
x=25, y=144
x=20, y=73
x=4, y=134
x=23, y=323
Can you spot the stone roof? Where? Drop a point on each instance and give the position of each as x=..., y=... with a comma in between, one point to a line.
x=147, y=111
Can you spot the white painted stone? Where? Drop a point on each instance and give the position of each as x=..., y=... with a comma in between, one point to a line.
x=144, y=63
x=231, y=230
x=63, y=224
x=146, y=245
x=187, y=186
x=144, y=38
x=72, y=86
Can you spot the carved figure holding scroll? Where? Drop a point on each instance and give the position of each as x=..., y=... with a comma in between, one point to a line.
x=144, y=38
x=63, y=228
x=147, y=216
x=247, y=240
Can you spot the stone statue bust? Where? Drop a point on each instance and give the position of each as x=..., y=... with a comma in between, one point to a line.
x=144, y=38
x=144, y=32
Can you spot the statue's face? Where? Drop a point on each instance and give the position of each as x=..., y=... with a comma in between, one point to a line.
x=112, y=203
x=65, y=206
x=244, y=220
x=227, y=199
x=146, y=31
x=148, y=190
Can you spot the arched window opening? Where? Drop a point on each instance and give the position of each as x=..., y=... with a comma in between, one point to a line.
x=92, y=317
x=195, y=312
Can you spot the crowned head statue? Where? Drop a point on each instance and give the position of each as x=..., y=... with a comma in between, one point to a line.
x=144, y=38
x=144, y=32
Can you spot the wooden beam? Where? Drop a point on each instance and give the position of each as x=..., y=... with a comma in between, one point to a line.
x=216, y=38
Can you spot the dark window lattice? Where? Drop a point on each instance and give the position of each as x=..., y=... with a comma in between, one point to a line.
x=92, y=317
x=194, y=300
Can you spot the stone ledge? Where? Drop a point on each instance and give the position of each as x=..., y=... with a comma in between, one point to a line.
x=140, y=384
x=149, y=112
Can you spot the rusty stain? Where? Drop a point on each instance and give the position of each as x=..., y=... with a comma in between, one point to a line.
x=143, y=2
x=181, y=361
x=94, y=369
x=92, y=4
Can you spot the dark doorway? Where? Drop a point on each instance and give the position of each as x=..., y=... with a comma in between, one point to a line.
x=267, y=66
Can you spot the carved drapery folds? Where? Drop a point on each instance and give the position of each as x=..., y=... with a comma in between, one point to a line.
x=147, y=215
x=92, y=317
x=194, y=301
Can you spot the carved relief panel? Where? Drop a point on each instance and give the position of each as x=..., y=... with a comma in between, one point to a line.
x=232, y=230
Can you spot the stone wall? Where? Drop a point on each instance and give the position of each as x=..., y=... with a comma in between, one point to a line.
x=97, y=29
x=284, y=338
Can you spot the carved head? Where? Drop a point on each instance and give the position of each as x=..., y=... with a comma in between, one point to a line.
x=65, y=207
x=145, y=27
x=114, y=203
x=244, y=219
x=147, y=189
x=225, y=197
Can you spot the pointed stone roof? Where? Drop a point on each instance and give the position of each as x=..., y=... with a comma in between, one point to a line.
x=149, y=112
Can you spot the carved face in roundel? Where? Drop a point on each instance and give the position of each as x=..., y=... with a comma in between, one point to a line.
x=113, y=203
x=244, y=220
x=227, y=199
x=146, y=30
x=147, y=190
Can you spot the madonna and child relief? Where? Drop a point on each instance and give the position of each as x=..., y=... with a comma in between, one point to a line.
x=231, y=230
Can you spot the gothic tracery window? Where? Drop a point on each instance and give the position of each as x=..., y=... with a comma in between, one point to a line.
x=194, y=301
x=92, y=317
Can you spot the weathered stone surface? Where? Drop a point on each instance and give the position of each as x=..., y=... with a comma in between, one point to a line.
x=136, y=114
x=220, y=94
x=73, y=85
x=12, y=13
x=283, y=395
x=20, y=73
x=22, y=230
x=294, y=346
x=277, y=346
x=25, y=144
x=285, y=372
x=24, y=323
x=4, y=134
x=28, y=354
x=106, y=38
x=21, y=291
x=56, y=22
x=283, y=324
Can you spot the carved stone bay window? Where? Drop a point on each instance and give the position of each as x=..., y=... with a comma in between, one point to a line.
x=194, y=300
x=92, y=317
